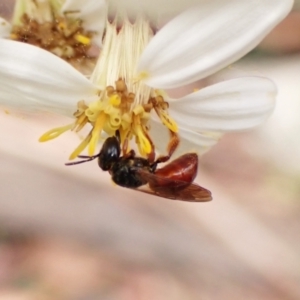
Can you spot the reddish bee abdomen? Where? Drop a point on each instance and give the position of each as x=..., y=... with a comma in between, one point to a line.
x=184, y=168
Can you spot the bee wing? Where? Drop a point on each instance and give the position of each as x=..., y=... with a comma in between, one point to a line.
x=176, y=190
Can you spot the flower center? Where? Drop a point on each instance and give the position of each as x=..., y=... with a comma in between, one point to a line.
x=124, y=103
x=41, y=24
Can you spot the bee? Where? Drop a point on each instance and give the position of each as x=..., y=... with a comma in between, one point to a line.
x=173, y=181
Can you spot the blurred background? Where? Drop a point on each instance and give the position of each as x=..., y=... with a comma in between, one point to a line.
x=68, y=233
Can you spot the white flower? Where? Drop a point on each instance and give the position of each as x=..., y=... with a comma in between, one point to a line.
x=195, y=44
x=58, y=27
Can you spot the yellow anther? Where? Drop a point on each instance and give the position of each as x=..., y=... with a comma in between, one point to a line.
x=80, y=119
x=126, y=118
x=141, y=139
x=83, y=39
x=99, y=124
x=148, y=107
x=121, y=86
x=140, y=149
x=125, y=125
x=144, y=144
x=115, y=100
x=115, y=120
x=139, y=109
x=93, y=110
x=145, y=116
x=168, y=121
x=81, y=107
x=54, y=133
x=81, y=147
x=110, y=90
x=82, y=123
x=112, y=111
x=112, y=123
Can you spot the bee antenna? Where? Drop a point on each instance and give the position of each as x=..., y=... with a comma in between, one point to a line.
x=86, y=159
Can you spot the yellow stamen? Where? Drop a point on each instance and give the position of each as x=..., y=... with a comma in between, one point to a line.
x=126, y=121
x=93, y=110
x=54, y=133
x=139, y=109
x=96, y=132
x=80, y=122
x=168, y=121
x=83, y=39
x=115, y=100
x=142, y=141
x=81, y=146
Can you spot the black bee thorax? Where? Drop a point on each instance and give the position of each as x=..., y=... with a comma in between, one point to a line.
x=125, y=172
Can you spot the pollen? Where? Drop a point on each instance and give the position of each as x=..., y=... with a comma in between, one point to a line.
x=84, y=40
x=44, y=26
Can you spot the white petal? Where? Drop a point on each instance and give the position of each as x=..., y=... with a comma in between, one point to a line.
x=14, y=99
x=207, y=38
x=10, y=96
x=20, y=103
x=35, y=74
x=92, y=12
x=235, y=104
x=190, y=141
x=156, y=10
x=5, y=28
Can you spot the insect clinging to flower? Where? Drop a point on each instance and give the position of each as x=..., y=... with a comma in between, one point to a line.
x=173, y=181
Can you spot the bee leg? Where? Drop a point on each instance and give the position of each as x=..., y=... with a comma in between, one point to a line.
x=130, y=154
x=173, y=143
x=172, y=146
